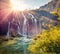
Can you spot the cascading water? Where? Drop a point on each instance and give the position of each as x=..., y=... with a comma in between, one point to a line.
x=8, y=33
x=27, y=27
x=34, y=21
x=24, y=26
x=18, y=30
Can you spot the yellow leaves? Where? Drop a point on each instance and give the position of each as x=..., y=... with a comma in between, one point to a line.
x=58, y=18
x=47, y=39
x=54, y=13
x=57, y=13
x=54, y=34
x=44, y=33
x=33, y=48
x=58, y=2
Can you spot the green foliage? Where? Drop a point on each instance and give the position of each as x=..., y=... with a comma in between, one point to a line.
x=46, y=43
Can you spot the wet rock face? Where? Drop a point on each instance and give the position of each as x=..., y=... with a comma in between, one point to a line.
x=26, y=23
x=3, y=28
x=26, y=26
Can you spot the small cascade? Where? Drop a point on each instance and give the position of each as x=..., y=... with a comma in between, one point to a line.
x=34, y=21
x=8, y=33
x=31, y=15
x=18, y=30
x=24, y=26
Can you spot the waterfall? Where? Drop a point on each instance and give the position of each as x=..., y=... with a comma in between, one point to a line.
x=18, y=30
x=24, y=25
x=27, y=27
x=34, y=21
x=31, y=15
x=8, y=33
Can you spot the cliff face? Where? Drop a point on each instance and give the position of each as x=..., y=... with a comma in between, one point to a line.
x=51, y=5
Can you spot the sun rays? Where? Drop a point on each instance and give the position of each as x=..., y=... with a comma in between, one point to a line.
x=18, y=5
x=5, y=10
x=7, y=7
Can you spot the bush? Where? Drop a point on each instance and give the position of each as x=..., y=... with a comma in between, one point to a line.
x=46, y=43
x=57, y=13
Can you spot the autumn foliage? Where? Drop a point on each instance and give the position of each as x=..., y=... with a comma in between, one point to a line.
x=46, y=43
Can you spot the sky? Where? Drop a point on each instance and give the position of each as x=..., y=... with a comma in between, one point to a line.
x=36, y=3
x=32, y=4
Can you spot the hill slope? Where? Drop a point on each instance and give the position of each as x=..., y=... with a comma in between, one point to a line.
x=51, y=5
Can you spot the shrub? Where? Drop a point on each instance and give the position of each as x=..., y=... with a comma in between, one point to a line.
x=47, y=43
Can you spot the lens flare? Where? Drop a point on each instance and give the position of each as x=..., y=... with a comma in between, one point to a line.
x=5, y=11
x=18, y=5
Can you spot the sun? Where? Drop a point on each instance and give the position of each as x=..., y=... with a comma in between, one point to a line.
x=18, y=5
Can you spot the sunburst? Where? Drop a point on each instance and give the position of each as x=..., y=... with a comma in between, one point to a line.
x=5, y=10
x=18, y=5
